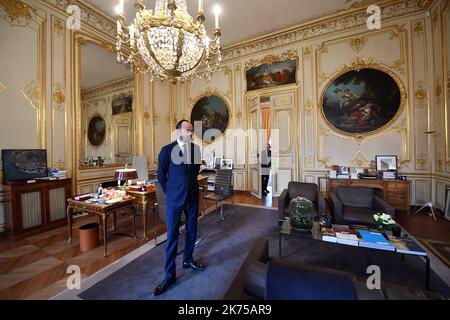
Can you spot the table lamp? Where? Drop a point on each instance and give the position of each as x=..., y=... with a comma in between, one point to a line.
x=125, y=174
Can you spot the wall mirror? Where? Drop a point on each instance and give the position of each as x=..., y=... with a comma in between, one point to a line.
x=106, y=115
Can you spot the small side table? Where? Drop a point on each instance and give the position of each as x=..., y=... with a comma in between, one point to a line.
x=103, y=211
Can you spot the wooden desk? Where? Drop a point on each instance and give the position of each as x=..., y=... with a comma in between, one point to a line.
x=103, y=211
x=395, y=192
x=147, y=199
x=144, y=199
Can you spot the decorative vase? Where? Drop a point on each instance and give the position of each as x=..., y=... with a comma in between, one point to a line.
x=301, y=213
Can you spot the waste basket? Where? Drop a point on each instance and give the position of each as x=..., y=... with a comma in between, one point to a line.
x=88, y=236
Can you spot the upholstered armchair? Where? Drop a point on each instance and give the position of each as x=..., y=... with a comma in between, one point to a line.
x=357, y=205
x=302, y=189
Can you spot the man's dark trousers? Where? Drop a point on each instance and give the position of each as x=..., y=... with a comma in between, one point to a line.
x=190, y=207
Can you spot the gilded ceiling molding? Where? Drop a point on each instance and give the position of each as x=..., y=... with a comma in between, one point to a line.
x=16, y=12
x=90, y=15
x=357, y=44
x=424, y=3
x=113, y=86
x=319, y=27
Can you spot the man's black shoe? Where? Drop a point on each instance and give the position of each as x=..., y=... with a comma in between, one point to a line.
x=193, y=265
x=163, y=286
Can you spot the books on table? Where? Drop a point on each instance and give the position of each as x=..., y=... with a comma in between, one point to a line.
x=328, y=235
x=407, y=246
x=346, y=235
x=375, y=240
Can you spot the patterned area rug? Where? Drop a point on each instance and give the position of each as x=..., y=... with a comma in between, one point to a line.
x=440, y=248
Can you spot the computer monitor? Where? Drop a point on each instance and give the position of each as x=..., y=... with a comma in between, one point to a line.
x=24, y=164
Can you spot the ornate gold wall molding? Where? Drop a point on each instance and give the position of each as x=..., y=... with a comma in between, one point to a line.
x=290, y=54
x=2, y=87
x=32, y=93
x=418, y=28
x=16, y=12
x=360, y=161
x=399, y=66
x=58, y=26
x=358, y=43
x=420, y=95
x=58, y=97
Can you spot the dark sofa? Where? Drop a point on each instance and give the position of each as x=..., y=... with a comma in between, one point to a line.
x=261, y=277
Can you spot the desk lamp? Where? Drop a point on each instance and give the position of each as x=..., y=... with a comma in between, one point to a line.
x=125, y=174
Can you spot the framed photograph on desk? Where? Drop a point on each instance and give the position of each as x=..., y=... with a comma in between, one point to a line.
x=226, y=164
x=386, y=163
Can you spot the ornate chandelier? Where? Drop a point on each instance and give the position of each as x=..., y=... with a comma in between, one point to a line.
x=169, y=41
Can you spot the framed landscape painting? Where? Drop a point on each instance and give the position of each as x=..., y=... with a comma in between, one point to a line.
x=210, y=116
x=266, y=75
x=122, y=104
x=362, y=101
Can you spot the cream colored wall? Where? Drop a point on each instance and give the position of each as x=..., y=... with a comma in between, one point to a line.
x=405, y=47
x=37, y=90
x=97, y=101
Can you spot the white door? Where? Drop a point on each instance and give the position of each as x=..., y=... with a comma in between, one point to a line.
x=254, y=146
x=283, y=141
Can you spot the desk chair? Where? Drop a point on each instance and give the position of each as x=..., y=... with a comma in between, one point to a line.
x=223, y=189
x=161, y=207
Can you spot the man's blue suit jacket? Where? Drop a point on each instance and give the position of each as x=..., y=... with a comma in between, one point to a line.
x=177, y=179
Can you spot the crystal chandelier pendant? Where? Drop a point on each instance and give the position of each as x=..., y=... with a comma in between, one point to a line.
x=172, y=44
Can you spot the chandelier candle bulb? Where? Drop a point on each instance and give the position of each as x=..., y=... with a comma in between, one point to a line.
x=217, y=10
x=119, y=8
x=200, y=5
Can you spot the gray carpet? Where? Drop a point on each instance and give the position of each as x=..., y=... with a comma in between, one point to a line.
x=226, y=245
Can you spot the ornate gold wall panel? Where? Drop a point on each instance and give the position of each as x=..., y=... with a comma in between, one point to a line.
x=330, y=54
x=23, y=26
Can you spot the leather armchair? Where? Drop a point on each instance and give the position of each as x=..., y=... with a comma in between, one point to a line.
x=356, y=205
x=302, y=189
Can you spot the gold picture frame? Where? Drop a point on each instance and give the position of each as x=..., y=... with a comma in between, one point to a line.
x=356, y=68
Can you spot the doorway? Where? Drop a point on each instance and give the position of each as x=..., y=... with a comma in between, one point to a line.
x=271, y=120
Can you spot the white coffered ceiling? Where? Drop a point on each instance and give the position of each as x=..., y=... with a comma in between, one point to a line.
x=245, y=19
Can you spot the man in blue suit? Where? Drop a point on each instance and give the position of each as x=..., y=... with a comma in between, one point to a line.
x=178, y=168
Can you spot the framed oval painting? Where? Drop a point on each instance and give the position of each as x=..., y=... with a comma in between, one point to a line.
x=97, y=130
x=210, y=116
x=362, y=102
